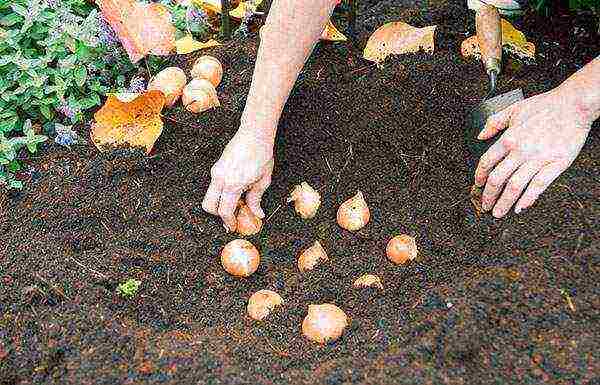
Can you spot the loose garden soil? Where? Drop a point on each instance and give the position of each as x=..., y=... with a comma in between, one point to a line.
x=515, y=300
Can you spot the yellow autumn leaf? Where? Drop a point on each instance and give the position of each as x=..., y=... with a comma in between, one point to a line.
x=398, y=38
x=129, y=120
x=513, y=41
x=188, y=44
x=332, y=34
x=215, y=6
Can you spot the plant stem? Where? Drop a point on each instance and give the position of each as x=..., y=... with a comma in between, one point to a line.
x=353, y=4
x=225, y=21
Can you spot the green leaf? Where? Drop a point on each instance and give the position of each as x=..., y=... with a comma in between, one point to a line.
x=8, y=125
x=45, y=111
x=80, y=75
x=19, y=9
x=16, y=184
x=14, y=166
x=4, y=161
x=10, y=20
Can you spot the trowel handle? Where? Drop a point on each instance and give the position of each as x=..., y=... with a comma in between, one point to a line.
x=489, y=34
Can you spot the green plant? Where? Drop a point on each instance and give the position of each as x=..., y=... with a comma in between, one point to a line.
x=57, y=59
x=129, y=288
x=8, y=153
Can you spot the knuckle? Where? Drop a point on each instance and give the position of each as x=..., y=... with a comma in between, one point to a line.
x=495, y=181
x=513, y=187
x=509, y=143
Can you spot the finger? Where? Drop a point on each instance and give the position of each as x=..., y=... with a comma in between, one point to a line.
x=496, y=123
x=254, y=196
x=227, y=207
x=210, y=203
x=538, y=185
x=488, y=160
x=514, y=188
x=498, y=177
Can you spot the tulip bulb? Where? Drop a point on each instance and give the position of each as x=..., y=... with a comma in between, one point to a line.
x=368, y=280
x=401, y=249
x=170, y=82
x=311, y=257
x=354, y=213
x=324, y=323
x=262, y=303
x=306, y=200
x=200, y=95
x=247, y=222
x=209, y=68
x=240, y=258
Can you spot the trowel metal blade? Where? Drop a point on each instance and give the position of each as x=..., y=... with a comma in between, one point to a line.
x=478, y=117
x=491, y=106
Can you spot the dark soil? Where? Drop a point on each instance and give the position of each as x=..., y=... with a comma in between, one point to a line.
x=487, y=301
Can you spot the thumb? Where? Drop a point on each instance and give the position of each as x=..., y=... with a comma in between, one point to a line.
x=496, y=123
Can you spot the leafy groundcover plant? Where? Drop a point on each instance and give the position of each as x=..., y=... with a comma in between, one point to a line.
x=57, y=59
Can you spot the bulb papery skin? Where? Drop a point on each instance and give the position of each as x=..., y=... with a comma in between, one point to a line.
x=306, y=200
x=262, y=303
x=354, y=213
x=247, y=222
x=240, y=258
x=310, y=257
x=401, y=249
x=368, y=280
x=209, y=68
x=171, y=82
x=200, y=95
x=324, y=323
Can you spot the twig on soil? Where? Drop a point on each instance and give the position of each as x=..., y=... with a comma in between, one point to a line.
x=328, y=165
x=89, y=269
x=274, y=212
x=572, y=193
x=568, y=299
x=350, y=156
x=170, y=118
x=361, y=69
x=278, y=351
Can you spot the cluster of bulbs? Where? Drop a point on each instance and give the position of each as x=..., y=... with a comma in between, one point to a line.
x=324, y=322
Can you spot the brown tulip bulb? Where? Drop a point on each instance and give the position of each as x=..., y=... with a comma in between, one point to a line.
x=324, y=323
x=401, y=248
x=354, y=213
x=240, y=258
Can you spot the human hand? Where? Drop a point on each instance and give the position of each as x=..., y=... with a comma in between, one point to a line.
x=544, y=134
x=245, y=165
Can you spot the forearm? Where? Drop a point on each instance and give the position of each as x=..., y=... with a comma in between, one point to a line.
x=583, y=89
x=290, y=32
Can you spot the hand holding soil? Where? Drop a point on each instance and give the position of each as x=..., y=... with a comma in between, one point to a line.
x=245, y=166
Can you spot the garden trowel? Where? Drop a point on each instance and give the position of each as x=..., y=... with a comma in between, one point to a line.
x=489, y=36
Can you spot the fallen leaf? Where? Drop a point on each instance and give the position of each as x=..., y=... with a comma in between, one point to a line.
x=513, y=42
x=129, y=119
x=245, y=7
x=141, y=28
x=398, y=38
x=188, y=44
x=332, y=34
x=238, y=12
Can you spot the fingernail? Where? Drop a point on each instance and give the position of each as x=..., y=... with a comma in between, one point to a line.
x=480, y=136
x=261, y=213
x=518, y=210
